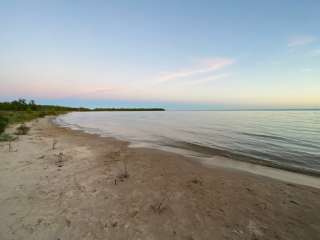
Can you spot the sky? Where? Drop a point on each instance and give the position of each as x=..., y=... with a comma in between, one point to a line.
x=173, y=54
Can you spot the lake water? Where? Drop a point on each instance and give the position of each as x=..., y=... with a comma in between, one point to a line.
x=284, y=139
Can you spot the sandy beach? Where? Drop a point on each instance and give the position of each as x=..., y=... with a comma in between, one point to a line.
x=61, y=184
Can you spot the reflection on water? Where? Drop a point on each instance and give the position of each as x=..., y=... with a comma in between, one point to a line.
x=285, y=139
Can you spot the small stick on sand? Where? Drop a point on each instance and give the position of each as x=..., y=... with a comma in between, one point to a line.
x=54, y=143
x=10, y=146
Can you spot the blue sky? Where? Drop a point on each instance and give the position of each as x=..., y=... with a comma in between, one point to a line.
x=177, y=54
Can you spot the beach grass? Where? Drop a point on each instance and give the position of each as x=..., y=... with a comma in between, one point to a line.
x=24, y=116
x=5, y=137
x=20, y=117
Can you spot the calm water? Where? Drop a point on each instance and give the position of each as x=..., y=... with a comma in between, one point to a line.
x=284, y=139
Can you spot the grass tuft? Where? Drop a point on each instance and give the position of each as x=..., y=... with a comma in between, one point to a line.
x=22, y=129
x=5, y=137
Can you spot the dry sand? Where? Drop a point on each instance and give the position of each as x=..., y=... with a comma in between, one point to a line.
x=78, y=191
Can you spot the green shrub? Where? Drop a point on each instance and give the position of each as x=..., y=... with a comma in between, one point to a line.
x=3, y=123
x=42, y=114
x=4, y=137
x=22, y=129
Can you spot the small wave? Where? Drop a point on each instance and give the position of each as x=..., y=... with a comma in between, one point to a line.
x=211, y=151
x=283, y=139
x=264, y=136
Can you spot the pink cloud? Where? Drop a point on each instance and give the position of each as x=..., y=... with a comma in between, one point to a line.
x=206, y=66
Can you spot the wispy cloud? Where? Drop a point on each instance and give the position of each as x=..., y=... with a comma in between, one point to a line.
x=301, y=40
x=206, y=66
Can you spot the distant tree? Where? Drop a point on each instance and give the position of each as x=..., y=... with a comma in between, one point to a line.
x=32, y=105
x=22, y=101
x=19, y=105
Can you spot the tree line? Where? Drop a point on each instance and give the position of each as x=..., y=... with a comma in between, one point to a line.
x=24, y=105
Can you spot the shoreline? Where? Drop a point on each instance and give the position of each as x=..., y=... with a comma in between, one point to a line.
x=257, y=167
x=78, y=190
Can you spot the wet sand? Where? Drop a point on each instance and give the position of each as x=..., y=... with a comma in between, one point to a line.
x=79, y=190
